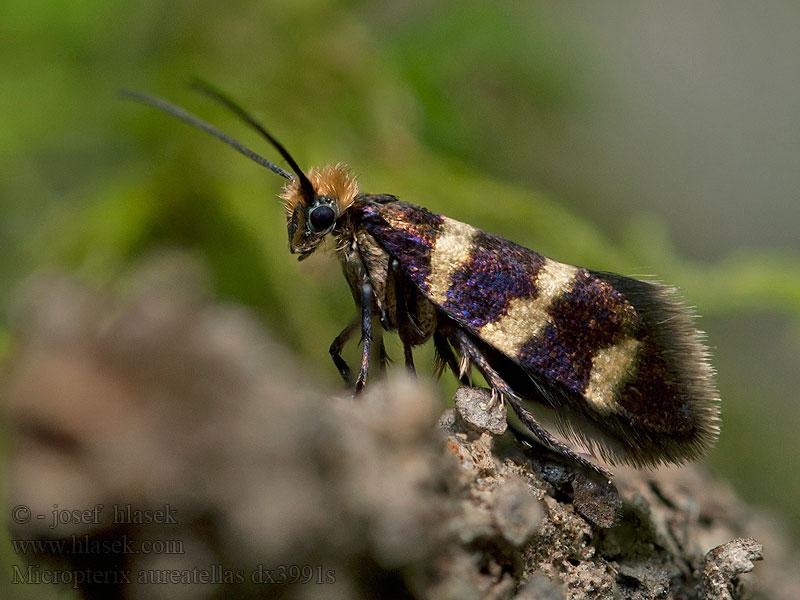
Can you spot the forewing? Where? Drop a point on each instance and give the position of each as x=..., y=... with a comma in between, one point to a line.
x=613, y=350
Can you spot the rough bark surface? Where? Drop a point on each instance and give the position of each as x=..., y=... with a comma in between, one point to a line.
x=277, y=488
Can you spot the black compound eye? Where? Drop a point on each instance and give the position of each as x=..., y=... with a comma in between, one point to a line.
x=321, y=218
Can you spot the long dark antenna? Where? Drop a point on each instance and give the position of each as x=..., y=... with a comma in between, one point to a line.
x=194, y=121
x=218, y=96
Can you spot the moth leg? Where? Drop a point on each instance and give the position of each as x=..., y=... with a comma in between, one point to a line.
x=409, y=359
x=404, y=322
x=498, y=385
x=366, y=334
x=548, y=440
x=383, y=356
x=336, y=349
x=471, y=353
x=446, y=358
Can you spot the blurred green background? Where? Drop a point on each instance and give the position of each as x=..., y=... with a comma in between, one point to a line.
x=657, y=140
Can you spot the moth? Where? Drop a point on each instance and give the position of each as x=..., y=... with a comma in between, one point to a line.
x=615, y=360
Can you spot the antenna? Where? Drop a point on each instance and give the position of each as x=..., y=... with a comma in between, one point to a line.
x=194, y=121
x=218, y=96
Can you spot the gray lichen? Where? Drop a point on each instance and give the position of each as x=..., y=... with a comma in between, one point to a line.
x=724, y=563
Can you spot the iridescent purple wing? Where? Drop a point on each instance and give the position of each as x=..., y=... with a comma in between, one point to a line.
x=617, y=358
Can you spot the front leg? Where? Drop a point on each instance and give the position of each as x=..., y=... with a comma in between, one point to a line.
x=336, y=349
x=366, y=333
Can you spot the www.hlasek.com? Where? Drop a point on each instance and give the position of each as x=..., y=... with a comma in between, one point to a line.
x=88, y=545
x=214, y=574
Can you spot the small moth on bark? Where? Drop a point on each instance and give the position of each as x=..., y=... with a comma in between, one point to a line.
x=617, y=361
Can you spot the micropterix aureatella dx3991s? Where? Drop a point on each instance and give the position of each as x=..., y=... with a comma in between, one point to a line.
x=617, y=360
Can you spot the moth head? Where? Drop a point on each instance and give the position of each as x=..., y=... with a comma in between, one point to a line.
x=310, y=219
x=314, y=202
